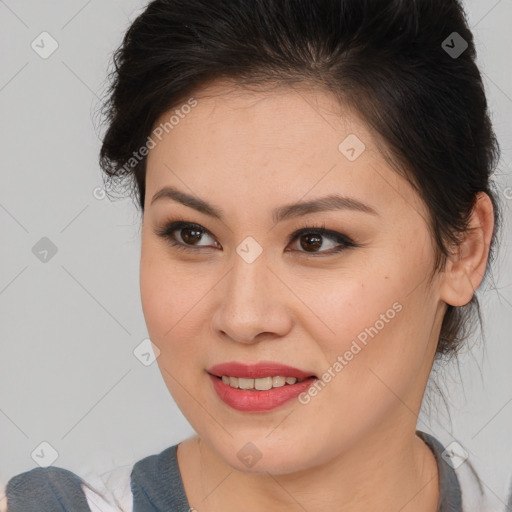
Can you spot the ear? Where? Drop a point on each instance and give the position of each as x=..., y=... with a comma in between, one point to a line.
x=466, y=267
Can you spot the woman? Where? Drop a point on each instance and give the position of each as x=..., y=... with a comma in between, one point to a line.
x=317, y=214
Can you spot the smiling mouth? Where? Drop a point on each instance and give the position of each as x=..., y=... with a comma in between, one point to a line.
x=260, y=384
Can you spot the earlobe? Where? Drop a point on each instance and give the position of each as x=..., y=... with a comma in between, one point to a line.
x=465, y=269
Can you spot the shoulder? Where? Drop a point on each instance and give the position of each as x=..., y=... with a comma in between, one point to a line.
x=45, y=489
x=157, y=479
x=459, y=481
x=156, y=462
x=54, y=488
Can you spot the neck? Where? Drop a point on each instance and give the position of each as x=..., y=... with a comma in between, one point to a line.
x=387, y=470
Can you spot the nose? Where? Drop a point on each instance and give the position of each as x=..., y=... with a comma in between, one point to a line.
x=253, y=303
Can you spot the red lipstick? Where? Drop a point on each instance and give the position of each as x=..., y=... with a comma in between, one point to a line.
x=253, y=400
x=257, y=371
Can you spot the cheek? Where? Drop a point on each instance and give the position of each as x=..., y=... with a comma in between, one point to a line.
x=351, y=305
x=374, y=323
x=172, y=309
x=152, y=293
x=164, y=290
x=167, y=307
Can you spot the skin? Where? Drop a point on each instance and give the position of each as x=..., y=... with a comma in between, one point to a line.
x=353, y=446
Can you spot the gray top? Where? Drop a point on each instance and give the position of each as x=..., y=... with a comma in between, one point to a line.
x=450, y=496
x=157, y=486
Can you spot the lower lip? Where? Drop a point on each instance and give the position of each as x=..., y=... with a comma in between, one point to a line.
x=253, y=400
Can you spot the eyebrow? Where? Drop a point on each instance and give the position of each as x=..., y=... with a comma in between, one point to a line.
x=322, y=204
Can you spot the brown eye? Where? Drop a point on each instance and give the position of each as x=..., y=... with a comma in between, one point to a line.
x=190, y=235
x=311, y=239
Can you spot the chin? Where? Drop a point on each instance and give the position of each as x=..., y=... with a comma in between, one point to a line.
x=261, y=456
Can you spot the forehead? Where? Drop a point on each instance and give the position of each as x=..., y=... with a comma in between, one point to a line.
x=264, y=112
x=277, y=142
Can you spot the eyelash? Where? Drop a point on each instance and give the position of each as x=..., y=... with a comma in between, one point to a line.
x=344, y=241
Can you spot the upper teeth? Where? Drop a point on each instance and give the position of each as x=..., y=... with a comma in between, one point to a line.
x=261, y=384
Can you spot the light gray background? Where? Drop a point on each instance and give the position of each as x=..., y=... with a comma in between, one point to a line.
x=68, y=327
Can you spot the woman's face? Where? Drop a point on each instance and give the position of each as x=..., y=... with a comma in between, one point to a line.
x=239, y=290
